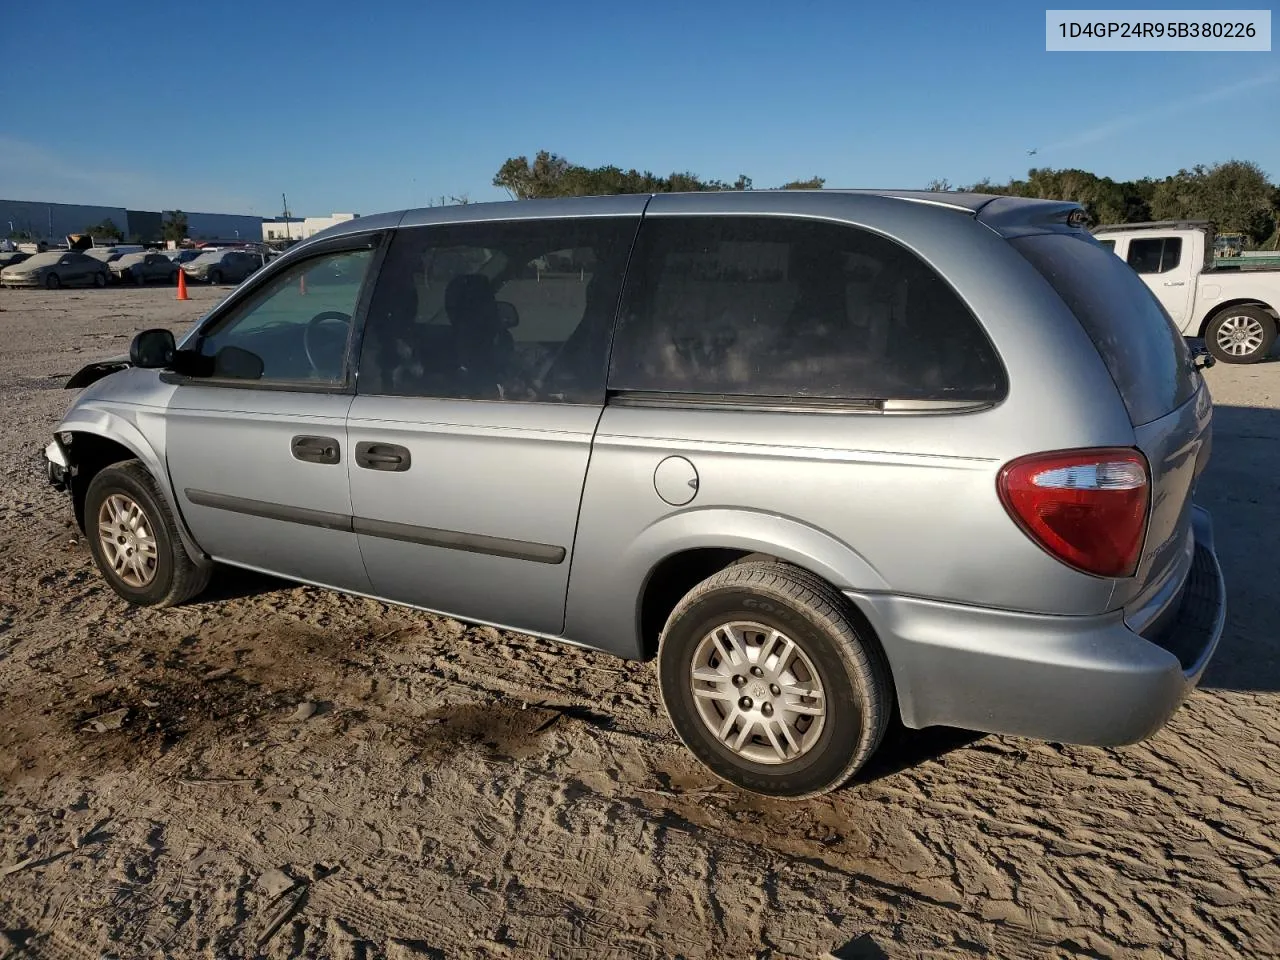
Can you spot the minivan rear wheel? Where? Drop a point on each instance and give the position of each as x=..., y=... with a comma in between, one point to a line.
x=768, y=682
x=1241, y=335
x=134, y=539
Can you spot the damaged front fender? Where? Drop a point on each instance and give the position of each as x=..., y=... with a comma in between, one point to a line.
x=92, y=372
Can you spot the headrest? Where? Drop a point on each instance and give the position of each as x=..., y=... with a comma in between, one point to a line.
x=467, y=294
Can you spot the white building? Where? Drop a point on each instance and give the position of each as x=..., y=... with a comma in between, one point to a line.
x=300, y=228
x=281, y=228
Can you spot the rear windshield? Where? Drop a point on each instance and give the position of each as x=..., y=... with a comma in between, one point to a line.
x=1143, y=350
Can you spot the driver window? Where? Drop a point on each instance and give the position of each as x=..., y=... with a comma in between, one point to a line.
x=299, y=323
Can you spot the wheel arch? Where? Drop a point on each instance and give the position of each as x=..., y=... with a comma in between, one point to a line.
x=683, y=549
x=99, y=439
x=1230, y=304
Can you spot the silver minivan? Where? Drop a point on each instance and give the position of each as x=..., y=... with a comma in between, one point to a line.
x=827, y=456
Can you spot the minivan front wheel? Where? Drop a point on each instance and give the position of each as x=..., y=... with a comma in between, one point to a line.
x=1241, y=335
x=134, y=539
x=768, y=682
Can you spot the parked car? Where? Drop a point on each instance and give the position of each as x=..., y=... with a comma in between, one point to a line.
x=222, y=266
x=55, y=268
x=825, y=456
x=143, y=268
x=112, y=253
x=182, y=255
x=1236, y=311
x=9, y=257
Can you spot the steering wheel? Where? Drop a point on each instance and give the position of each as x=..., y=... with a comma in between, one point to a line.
x=311, y=331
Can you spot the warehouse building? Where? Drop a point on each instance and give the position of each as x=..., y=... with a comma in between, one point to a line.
x=51, y=222
x=203, y=227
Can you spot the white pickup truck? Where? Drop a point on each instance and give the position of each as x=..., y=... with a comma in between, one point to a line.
x=1235, y=309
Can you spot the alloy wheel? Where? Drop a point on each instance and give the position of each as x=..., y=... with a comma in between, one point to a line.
x=128, y=542
x=758, y=692
x=1239, y=335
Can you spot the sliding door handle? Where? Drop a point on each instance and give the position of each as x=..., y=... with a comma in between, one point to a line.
x=382, y=456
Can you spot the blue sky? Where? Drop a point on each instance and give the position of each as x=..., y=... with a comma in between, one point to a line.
x=373, y=106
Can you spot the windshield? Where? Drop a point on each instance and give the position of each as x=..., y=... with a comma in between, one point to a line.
x=1143, y=350
x=43, y=259
x=206, y=258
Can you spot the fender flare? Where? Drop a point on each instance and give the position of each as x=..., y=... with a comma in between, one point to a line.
x=754, y=532
x=750, y=531
x=111, y=426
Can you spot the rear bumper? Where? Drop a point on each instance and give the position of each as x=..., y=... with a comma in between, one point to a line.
x=1086, y=680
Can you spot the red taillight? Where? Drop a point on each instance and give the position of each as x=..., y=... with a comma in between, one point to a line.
x=1088, y=508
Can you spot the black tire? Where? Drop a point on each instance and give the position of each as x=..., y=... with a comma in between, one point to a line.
x=52, y=282
x=138, y=278
x=173, y=278
x=215, y=277
x=176, y=578
x=850, y=667
x=99, y=279
x=1236, y=320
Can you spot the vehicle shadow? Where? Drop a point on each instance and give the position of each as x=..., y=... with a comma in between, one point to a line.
x=859, y=948
x=1241, y=489
x=904, y=748
x=234, y=583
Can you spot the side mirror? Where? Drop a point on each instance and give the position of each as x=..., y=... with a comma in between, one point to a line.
x=152, y=349
x=508, y=313
x=1201, y=358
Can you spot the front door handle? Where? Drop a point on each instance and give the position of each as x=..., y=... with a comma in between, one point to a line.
x=316, y=449
x=382, y=456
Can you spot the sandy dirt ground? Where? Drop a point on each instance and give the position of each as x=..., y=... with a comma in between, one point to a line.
x=463, y=792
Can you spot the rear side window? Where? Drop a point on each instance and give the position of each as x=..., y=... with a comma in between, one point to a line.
x=1145, y=353
x=1155, y=254
x=1109, y=244
x=789, y=308
x=517, y=310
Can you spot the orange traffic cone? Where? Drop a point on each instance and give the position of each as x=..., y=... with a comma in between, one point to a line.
x=182, y=284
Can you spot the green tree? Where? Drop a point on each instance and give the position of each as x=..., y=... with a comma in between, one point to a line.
x=813, y=183
x=551, y=175
x=106, y=230
x=1235, y=195
x=525, y=180
x=175, y=225
x=939, y=186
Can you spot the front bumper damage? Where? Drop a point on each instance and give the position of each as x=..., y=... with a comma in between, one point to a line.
x=57, y=466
